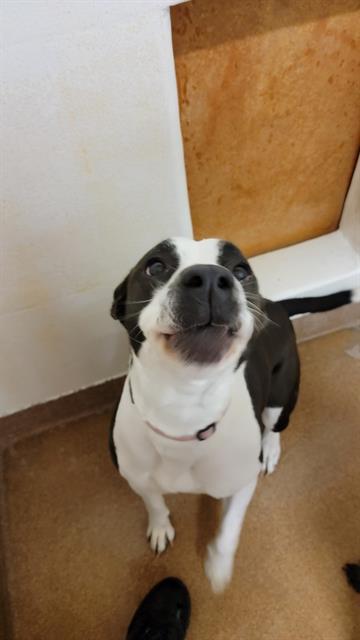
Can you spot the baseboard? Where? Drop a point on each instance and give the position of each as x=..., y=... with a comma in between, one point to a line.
x=313, y=325
x=40, y=417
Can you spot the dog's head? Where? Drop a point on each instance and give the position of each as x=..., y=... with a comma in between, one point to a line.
x=197, y=301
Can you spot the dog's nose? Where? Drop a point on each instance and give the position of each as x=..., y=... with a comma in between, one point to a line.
x=206, y=278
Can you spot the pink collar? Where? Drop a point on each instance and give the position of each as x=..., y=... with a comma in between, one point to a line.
x=202, y=434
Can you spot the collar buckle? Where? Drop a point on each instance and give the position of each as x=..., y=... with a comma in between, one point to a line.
x=206, y=433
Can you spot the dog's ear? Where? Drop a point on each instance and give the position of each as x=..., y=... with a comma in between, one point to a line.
x=119, y=301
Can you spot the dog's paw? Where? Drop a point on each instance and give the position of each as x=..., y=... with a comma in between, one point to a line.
x=218, y=568
x=271, y=450
x=160, y=534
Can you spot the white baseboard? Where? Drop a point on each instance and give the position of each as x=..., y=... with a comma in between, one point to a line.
x=315, y=267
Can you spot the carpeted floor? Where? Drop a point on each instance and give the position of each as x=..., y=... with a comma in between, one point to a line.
x=77, y=555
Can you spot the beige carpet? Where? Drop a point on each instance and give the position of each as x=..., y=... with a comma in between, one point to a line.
x=79, y=562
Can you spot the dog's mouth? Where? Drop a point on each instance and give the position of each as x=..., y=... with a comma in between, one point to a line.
x=205, y=344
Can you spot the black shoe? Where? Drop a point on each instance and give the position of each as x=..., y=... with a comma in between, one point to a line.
x=164, y=614
x=353, y=575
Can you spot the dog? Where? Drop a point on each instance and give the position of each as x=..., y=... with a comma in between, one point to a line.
x=213, y=379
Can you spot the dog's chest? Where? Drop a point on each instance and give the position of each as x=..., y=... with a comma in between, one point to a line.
x=219, y=466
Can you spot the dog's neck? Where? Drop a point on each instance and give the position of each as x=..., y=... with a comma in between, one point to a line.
x=180, y=399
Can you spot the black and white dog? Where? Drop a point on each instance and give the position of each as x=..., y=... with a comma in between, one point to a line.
x=213, y=379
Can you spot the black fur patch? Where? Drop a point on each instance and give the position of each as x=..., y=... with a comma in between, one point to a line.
x=136, y=291
x=272, y=370
x=111, y=436
x=230, y=257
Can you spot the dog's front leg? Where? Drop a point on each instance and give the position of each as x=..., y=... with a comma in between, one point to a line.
x=221, y=552
x=160, y=530
x=271, y=447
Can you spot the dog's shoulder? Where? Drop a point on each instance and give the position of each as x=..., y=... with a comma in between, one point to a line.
x=269, y=346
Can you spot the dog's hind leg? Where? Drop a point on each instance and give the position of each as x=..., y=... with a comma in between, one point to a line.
x=160, y=530
x=221, y=552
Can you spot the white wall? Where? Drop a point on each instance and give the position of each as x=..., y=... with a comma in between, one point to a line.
x=92, y=175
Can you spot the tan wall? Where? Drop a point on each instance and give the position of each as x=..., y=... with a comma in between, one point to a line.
x=270, y=111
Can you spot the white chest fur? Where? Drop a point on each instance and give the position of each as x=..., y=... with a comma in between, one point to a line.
x=219, y=466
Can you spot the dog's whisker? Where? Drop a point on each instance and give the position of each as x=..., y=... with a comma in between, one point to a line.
x=260, y=320
x=260, y=314
x=138, y=301
x=133, y=329
x=256, y=310
x=130, y=315
x=137, y=341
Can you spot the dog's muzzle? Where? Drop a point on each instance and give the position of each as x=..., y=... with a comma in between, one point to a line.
x=204, y=295
x=205, y=308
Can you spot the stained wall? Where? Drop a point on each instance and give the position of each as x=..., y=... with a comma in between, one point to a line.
x=269, y=96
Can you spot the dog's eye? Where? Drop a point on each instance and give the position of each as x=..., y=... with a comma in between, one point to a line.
x=241, y=271
x=155, y=267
